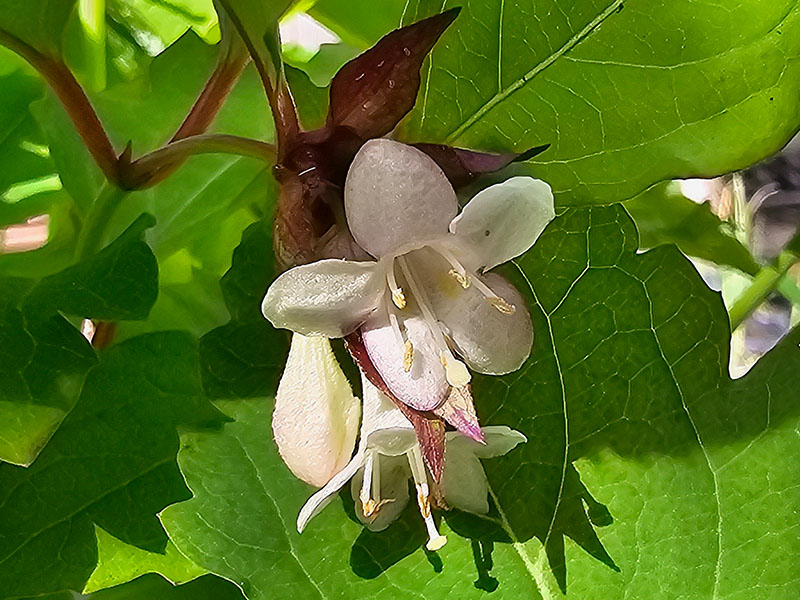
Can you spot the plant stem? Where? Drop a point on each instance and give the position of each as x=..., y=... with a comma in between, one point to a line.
x=155, y=166
x=764, y=283
x=93, y=232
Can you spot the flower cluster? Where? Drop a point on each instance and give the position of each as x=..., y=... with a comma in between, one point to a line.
x=428, y=310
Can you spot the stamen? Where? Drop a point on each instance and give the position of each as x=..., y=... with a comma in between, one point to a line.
x=499, y=303
x=398, y=297
x=435, y=539
x=455, y=371
x=368, y=505
x=395, y=325
x=463, y=279
x=458, y=272
x=408, y=356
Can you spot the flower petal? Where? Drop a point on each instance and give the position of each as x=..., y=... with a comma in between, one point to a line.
x=500, y=440
x=330, y=297
x=424, y=386
x=464, y=484
x=490, y=341
x=504, y=220
x=394, y=196
x=316, y=416
x=394, y=474
x=320, y=500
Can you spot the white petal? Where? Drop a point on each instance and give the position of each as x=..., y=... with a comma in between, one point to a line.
x=500, y=440
x=320, y=500
x=424, y=386
x=394, y=474
x=490, y=341
x=396, y=195
x=316, y=416
x=504, y=220
x=328, y=297
x=384, y=427
x=464, y=484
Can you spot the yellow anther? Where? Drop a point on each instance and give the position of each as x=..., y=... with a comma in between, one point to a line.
x=408, y=356
x=462, y=278
x=399, y=298
x=423, y=501
x=501, y=305
x=369, y=507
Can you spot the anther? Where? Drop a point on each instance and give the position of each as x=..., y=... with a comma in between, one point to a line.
x=399, y=298
x=408, y=356
x=501, y=305
x=463, y=279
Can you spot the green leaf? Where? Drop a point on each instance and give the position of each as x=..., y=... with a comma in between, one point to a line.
x=48, y=358
x=118, y=562
x=257, y=23
x=111, y=464
x=37, y=23
x=149, y=587
x=202, y=209
x=356, y=21
x=641, y=451
x=312, y=101
x=119, y=283
x=243, y=357
x=664, y=216
x=627, y=93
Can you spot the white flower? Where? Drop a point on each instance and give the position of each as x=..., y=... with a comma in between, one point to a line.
x=388, y=454
x=316, y=416
x=427, y=296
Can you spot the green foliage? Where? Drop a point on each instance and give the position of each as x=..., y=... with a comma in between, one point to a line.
x=47, y=358
x=111, y=464
x=664, y=216
x=626, y=92
x=647, y=473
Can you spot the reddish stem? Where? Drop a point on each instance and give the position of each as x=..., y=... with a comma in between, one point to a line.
x=75, y=101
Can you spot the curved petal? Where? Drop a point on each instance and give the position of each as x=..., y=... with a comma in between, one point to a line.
x=320, y=500
x=394, y=474
x=490, y=341
x=329, y=297
x=500, y=440
x=395, y=195
x=504, y=220
x=424, y=386
x=464, y=484
x=315, y=421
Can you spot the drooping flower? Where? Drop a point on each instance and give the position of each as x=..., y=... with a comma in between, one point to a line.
x=427, y=300
x=388, y=456
x=315, y=421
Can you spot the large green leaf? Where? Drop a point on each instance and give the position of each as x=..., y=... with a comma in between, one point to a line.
x=47, y=358
x=633, y=425
x=628, y=93
x=151, y=587
x=111, y=464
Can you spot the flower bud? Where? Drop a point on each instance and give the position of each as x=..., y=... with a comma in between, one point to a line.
x=316, y=416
